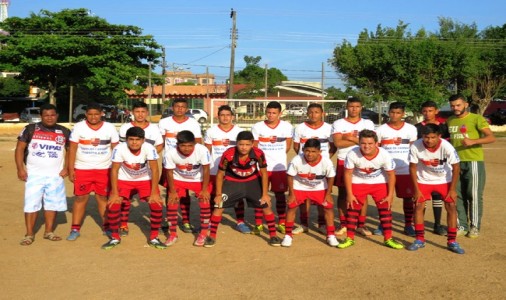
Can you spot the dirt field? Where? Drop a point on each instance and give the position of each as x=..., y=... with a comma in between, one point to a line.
x=244, y=266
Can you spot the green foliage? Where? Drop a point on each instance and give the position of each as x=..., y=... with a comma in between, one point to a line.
x=72, y=47
x=13, y=87
x=254, y=75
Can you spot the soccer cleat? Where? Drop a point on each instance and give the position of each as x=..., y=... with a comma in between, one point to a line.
x=409, y=230
x=417, y=244
x=378, y=231
x=332, y=241
x=364, y=231
x=275, y=241
x=461, y=231
x=455, y=248
x=156, y=243
x=123, y=231
x=209, y=242
x=200, y=241
x=300, y=229
x=391, y=243
x=473, y=233
x=243, y=228
x=440, y=230
x=341, y=231
x=348, y=242
x=287, y=241
x=111, y=244
x=187, y=228
x=281, y=228
x=74, y=234
x=171, y=240
x=258, y=229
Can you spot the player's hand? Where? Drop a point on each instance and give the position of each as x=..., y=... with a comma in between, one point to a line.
x=452, y=195
x=329, y=199
x=218, y=201
x=265, y=199
x=467, y=142
x=388, y=199
x=155, y=198
x=114, y=199
x=351, y=200
x=63, y=173
x=72, y=175
x=204, y=196
x=418, y=196
x=290, y=198
x=173, y=198
x=22, y=175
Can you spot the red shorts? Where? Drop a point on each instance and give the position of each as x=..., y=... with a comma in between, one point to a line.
x=87, y=181
x=127, y=189
x=339, y=181
x=378, y=191
x=403, y=186
x=316, y=197
x=428, y=189
x=182, y=187
x=278, y=180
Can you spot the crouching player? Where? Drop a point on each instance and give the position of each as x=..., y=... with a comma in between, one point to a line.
x=310, y=177
x=242, y=174
x=434, y=167
x=369, y=170
x=134, y=170
x=188, y=168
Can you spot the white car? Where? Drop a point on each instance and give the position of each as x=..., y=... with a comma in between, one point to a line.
x=30, y=115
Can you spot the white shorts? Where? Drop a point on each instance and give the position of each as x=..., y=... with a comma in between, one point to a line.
x=50, y=189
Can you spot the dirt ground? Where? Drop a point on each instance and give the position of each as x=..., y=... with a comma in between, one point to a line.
x=245, y=266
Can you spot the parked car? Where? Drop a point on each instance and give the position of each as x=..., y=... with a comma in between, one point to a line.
x=297, y=111
x=198, y=114
x=30, y=115
x=373, y=116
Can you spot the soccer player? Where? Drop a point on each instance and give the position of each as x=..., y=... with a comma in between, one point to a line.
x=313, y=127
x=92, y=141
x=41, y=146
x=369, y=170
x=396, y=136
x=274, y=137
x=242, y=174
x=429, y=112
x=169, y=127
x=468, y=132
x=134, y=170
x=345, y=136
x=434, y=167
x=310, y=178
x=187, y=168
x=152, y=136
x=219, y=138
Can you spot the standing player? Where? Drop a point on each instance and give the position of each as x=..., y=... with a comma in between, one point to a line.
x=434, y=167
x=429, y=113
x=242, y=174
x=396, y=136
x=92, y=141
x=219, y=138
x=274, y=137
x=134, y=170
x=369, y=170
x=44, y=145
x=313, y=127
x=468, y=133
x=187, y=168
x=152, y=136
x=310, y=178
x=169, y=127
x=345, y=135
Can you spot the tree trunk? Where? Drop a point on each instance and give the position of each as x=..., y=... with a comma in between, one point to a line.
x=52, y=92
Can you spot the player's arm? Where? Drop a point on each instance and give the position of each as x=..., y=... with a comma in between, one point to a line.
x=265, y=187
x=72, y=160
x=350, y=197
x=219, y=188
x=19, y=155
x=344, y=140
x=452, y=192
x=114, y=195
x=328, y=194
x=291, y=193
x=486, y=138
x=172, y=198
x=159, y=147
x=289, y=144
x=391, y=188
x=155, y=174
x=206, y=175
x=113, y=145
x=255, y=143
x=417, y=195
x=296, y=147
x=332, y=149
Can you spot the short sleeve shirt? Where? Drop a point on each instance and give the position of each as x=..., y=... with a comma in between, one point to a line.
x=433, y=166
x=187, y=168
x=345, y=127
x=397, y=142
x=369, y=171
x=151, y=131
x=134, y=167
x=220, y=140
x=170, y=127
x=272, y=141
x=304, y=132
x=242, y=170
x=310, y=176
x=469, y=126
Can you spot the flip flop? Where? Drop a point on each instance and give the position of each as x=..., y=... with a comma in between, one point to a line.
x=52, y=237
x=27, y=240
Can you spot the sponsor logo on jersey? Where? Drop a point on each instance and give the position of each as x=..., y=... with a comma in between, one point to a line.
x=225, y=142
x=95, y=141
x=273, y=139
x=50, y=147
x=367, y=170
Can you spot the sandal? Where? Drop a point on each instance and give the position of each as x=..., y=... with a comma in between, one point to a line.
x=52, y=237
x=27, y=240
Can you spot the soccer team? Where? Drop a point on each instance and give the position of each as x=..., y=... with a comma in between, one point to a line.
x=429, y=161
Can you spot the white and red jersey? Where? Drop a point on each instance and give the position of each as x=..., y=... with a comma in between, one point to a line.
x=187, y=168
x=369, y=170
x=323, y=133
x=220, y=140
x=45, y=148
x=272, y=141
x=310, y=176
x=151, y=133
x=134, y=166
x=170, y=127
x=433, y=166
x=397, y=143
x=94, y=145
x=348, y=128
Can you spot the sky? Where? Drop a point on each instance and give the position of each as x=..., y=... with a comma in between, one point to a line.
x=296, y=37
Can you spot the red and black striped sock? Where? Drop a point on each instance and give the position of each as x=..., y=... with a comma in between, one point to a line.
x=385, y=216
x=155, y=219
x=205, y=216
x=113, y=216
x=125, y=212
x=215, y=222
x=289, y=228
x=361, y=221
x=259, y=216
x=271, y=224
x=342, y=221
x=281, y=207
x=408, y=208
x=239, y=211
x=351, y=222
x=452, y=234
x=420, y=232
x=184, y=203
x=172, y=218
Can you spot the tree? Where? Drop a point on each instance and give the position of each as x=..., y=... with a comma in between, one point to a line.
x=13, y=87
x=73, y=47
x=254, y=75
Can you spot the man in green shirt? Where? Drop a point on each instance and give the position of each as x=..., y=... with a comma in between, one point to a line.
x=468, y=132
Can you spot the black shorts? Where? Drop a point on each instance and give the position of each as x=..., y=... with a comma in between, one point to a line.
x=234, y=192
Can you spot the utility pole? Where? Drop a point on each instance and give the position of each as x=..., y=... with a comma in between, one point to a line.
x=265, y=83
x=150, y=90
x=159, y=108
x=323, y=81
x=207, y=83
x=233, y=15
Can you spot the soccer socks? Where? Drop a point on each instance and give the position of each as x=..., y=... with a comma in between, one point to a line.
x=258, y=216
x=452, y=234
x=155, y=219
x=420, y=232
x=215, y=221
x=351, y=222
x=125, y=212
x=205, y=215
x=76, y=227
x=184, y=203
x=385, y=216
x=239, y=212
x=331, y=230
x=342, y=221
x=408, y=207
x=172, y=218
x=437, y=208
x=281, y=207
x=361, y=221
x=271, y=224
x=113, y=216
x=289, y=228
